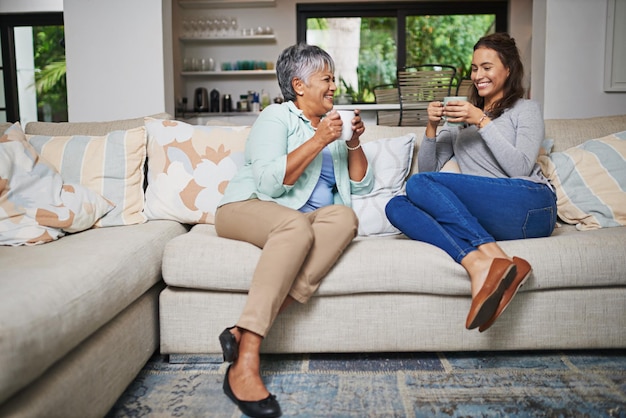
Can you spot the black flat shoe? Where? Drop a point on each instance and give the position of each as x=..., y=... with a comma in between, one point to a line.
x=229, y=344
x=265, y=408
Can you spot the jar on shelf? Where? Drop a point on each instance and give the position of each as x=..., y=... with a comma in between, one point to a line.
x=242, y=104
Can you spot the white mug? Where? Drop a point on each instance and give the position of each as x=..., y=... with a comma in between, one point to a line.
x=346, y=117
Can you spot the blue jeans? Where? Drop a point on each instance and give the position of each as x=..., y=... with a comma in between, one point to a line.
x=459, y=212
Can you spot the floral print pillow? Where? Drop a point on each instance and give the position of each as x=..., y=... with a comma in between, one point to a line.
x=35, y=205
x=189, y=167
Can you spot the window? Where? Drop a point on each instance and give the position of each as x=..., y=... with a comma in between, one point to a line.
x=32, y=68
x=370, y=41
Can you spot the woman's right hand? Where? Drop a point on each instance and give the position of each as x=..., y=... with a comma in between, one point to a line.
x=435, y=112
x=329, y=128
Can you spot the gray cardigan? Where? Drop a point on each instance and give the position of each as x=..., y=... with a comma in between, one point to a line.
x=506, y=147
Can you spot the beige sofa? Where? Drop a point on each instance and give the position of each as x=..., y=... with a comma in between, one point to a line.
x=390, y=294
x=79, y=316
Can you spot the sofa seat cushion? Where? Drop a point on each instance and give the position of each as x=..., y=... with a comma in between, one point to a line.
x=396, y=264
x=55, y=295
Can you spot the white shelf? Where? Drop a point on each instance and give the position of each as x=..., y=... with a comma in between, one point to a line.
x=220, y=39
x=208, y=4
x=240, y=73
x=368, y=106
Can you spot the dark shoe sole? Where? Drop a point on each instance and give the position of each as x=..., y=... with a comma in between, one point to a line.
x=523, y=272
x=484, y=306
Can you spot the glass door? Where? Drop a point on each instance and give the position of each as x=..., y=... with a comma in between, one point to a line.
x=32, y=70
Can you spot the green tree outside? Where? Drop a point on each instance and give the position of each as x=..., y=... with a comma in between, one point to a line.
x=447, y=39
x=50, y=69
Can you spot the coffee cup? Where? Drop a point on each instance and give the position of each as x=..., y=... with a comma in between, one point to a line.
x=346, y=117
x=453, y=99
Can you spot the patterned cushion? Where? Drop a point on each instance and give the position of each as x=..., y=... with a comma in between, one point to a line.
x=112, y=165
x=390, y=158
x=590, y=182
x=35, y=205
x=189, y=167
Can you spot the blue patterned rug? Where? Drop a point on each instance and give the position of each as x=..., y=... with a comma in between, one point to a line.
x=500, y=384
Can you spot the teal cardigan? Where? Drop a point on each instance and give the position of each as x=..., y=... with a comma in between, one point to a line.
x=279, y=129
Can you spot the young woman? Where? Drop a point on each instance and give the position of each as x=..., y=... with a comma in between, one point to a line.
x=500, y=192
x=292, y=199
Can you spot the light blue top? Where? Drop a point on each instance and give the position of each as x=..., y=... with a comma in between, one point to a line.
x=279, y=129
x=323, y=193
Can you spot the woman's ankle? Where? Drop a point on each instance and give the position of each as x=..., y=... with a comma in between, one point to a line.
x=493, y=250
x=477, y=265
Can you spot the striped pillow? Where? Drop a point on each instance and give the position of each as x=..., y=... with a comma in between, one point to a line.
x=111, y=165
x=590, y=182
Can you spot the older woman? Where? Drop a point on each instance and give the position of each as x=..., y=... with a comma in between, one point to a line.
x=292, y=199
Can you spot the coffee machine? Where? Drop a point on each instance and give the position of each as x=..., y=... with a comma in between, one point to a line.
x=201, y=100
x=215, y=101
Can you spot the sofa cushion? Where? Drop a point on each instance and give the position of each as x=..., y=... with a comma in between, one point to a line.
x=390, y=160
x=189, y=167
x=86, y=128
x=568, y=133
x=35, y=205
x=111, y=164
x=56, y=295
x=396, y=264
x=590, y=182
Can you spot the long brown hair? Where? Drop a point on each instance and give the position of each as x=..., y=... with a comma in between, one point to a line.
x=508, y=53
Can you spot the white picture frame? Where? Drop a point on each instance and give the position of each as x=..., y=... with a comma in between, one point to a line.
x=615, y=48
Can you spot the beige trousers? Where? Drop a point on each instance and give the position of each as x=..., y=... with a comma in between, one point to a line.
x=298, y=250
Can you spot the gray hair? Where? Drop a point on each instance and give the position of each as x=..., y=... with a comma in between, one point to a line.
x=300, y=61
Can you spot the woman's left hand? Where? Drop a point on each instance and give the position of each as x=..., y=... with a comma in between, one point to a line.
x=357, y=125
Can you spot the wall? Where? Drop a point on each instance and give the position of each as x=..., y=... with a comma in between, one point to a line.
x=538, y=55
x=26, y=6
x=521, y=28
x=117, y=62
x=570, y=78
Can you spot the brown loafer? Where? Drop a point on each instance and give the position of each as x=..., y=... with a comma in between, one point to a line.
x=484, y=304
x=523, y=272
